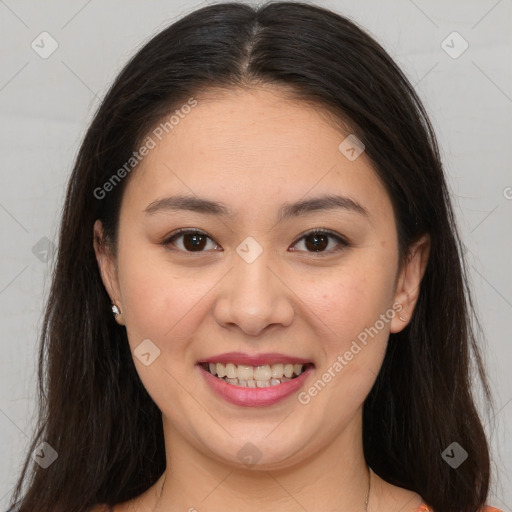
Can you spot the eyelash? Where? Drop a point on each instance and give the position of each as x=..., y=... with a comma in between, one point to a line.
x=342, y=242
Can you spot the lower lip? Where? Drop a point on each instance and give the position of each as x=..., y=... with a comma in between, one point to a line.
x=255, y=397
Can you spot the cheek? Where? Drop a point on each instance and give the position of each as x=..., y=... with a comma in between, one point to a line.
x=354, y=341
x=160, y=302
x=350, y=304
x=165, y=308
x=350, y=299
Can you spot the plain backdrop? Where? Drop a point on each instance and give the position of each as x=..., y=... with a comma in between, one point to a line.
x=47, y=103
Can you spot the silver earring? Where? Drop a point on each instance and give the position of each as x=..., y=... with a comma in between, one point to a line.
x=115, y=310
x=402, y=318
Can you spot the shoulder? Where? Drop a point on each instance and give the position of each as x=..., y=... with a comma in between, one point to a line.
x=96, y=508
x=425, y=508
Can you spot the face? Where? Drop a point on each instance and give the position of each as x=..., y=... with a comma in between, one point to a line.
x=269, y=284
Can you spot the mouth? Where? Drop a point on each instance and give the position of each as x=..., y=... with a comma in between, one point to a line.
x=255, y=380
x=262, y=376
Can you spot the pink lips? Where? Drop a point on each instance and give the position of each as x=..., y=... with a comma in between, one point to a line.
x=255, y=397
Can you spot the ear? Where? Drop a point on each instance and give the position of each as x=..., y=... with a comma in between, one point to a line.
x=409, y=282
x=108, y=270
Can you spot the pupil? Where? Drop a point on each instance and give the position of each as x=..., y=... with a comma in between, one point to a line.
x=197, y=241
x=320, y=242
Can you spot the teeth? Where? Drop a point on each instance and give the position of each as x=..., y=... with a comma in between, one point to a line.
x=255, y=376
x=243, y=372
x=221, y=370
x=231, y=371
x=262, y=372
x=277, y=370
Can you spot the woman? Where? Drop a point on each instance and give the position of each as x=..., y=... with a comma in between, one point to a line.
x=260, y=301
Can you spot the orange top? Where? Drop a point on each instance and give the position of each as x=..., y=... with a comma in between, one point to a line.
x=426, y=508
x=422, y=508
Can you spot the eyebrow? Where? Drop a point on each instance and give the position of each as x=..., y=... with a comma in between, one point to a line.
x=287, y=210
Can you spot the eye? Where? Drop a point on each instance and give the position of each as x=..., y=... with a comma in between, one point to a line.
x=317, y=241
x=193, y=240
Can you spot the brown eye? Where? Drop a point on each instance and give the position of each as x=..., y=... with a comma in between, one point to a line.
x=192, y=241
x=318, y=241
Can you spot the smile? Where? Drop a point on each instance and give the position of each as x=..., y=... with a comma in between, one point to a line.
x=262, y=376
x=255, y=381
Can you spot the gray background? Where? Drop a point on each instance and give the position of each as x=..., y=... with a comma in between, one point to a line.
x=46, y=105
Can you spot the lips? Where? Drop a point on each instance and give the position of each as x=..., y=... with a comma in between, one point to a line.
x=255, y=380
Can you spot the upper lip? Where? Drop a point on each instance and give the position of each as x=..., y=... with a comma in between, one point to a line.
x=254, y=359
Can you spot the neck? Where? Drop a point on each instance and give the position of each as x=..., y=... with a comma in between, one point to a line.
x=333, y=478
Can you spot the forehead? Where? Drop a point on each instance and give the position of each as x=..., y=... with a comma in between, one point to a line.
x=245, y=146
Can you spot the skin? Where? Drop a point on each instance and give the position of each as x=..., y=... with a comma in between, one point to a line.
x=253, y=150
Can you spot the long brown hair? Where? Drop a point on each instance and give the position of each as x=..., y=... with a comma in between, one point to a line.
x=94, y=410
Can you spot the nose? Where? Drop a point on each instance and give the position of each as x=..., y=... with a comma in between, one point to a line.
x=253, y=297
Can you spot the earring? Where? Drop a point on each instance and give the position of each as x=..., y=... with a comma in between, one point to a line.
x=115, y=310
x=402, y=318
